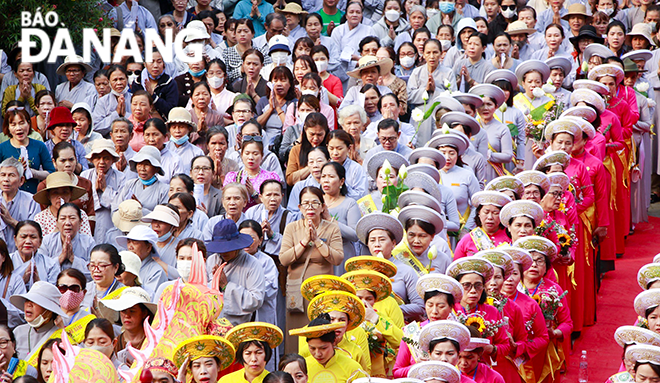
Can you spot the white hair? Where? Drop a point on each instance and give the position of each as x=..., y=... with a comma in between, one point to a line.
x=350, y=110
x=12, y=162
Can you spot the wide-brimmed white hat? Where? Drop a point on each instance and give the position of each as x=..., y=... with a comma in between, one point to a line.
x=455, y=118
x=427, y=169
x=449, y=139
x=424, y=182
x=427, y=152
x=102, y=145
x=128, y=298
x=385, y=65
x=163, y=213
x=595, y=49
x=378, y=220
x=414, y=197
x=43, y=294
x=640, y=30
x=424, y=214
x=132, y=264
x=560, y=62
x=604, y=70
x=139, y=233
x=502, y=74
x=196, y=31
x=72, y=60
x=376, y=161
x=640, y=54
x=147, y=153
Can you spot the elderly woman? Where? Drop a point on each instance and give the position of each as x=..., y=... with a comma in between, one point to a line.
x=461, y=181
x=33, y=266
x=105, y=265
x=202, y=112
x=164, y=221
x=489, y=231
x=317, y=157
x=115, y=104
x=353, y=119
x=302, y=241
x=26, y=89
x=75, y=89
x=440, y=293
x=41, y=307
x=235, y=197
x=142, y=241
x=499, y=146
x=432, y=78
x=181, y=128
x=535, y=284
x=59, y=189
x=218, y=142
x=368, y=72
x=61, y=126
x=68, y=244
x=146, y=188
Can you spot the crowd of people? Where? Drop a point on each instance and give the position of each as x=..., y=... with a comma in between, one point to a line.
x=335, y=191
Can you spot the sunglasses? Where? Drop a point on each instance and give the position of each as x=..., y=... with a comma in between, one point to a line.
x=511, y=7
x=135, y=72
x=63, y=288
x=252, y=138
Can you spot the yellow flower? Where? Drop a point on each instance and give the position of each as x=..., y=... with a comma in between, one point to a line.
x=477, y=322
x=564, y=239
x=537, y=298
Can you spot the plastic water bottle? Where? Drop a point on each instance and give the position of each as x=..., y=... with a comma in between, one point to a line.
x=583, y=376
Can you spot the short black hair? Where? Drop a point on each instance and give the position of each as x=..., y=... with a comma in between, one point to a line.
x=244, y=345
x=430, y=294
x=387, y=123
x=367, y=40
x=435, y=342
x=323, y=319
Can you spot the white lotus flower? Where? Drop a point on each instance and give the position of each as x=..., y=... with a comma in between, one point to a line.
x=403, y=172
x=425, y=96
x=447, y=84
x=417, y=115
x=585, y=66
x=538, y=92
x=433, y=253
x=503, y=107
x=387, y=167
x=548, y=88
x=445, y=128
x=642, y=86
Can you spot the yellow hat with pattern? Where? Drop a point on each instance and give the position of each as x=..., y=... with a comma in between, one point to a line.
x=316, y=331
x=204, y=346
x=319, y=284
x=261, y=331
x=370, y=262
x=341, y=301
x=372, y=281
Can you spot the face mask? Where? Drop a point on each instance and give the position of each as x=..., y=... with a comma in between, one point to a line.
x=37, y=322
x=322, y=66
x=132, y=78
x=508, y=13
x=105, y=350
x=432, y=12
x=165, y=237
x=184, y=267
x=123, y=92
x=652, y=25
x=407, y=61
x=215, y=82
x=607, y=11
x=309, y=91
x=392, y=15
x=279, y=58
x=149, y=182
x=181, y=140
x=70, y=300
x=302, y=116
x=446, y=7
x=197, y=74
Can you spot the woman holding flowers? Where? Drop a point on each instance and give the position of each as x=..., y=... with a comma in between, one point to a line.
x=489, y=231
x=550, y=297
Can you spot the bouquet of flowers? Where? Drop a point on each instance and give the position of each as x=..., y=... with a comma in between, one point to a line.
x=550, y=302
x=485, y=327
x=391, y=193
x=377, y=344
x=564, y=239
x=497, y=300
x=540, y=117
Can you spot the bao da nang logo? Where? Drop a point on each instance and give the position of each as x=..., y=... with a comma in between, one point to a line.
x=37, y=46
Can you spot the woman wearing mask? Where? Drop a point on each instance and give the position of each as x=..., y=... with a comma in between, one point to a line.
x=145, y=188
x=105, y=266
x=252, y=83
x=73, y=287
x=332, y=83
x=115, y=104
x=184, y=257
x=407, y=60
x=186, y=81
x=391, y=24
x=41, y=306
x=182, y=129
x=202, y=173
x=216, y=77
x=100, y=336
x=33, y=266
x=315, y=133
x=68, y=245
x=165, y=220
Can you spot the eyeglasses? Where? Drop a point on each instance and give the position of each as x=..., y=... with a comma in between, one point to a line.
x=242, y=111
x=467, y=286
x=409, y=54
x=63, y=288
x=202, y=169
x=252, y=138
x=98, y=266
x=4, y=342
x=534, y=193
x=389, y=140
x=311, y=205
x=539, y=260
x=73, y=71
x=557, y=194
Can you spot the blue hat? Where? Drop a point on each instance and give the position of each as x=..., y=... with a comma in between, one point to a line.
x=226, y=238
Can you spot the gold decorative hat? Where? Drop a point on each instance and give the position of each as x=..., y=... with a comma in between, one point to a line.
x=629, y=335
x=648, y=274
x=590, y=97
x=370, y=280
x=432, y=370
x=558, y=157
x=341, y=301
x=370, y=262
x=316, y=331
x=204, y=346
x=559, y=179
x=606, y=70
x=510, y=183
x=539, y=244
x=441, y=329
x=261, y=331
x=584, y=125
x=470, y=265
x=646, y=300
x=643, y=353
x=441, y=283
x=319, y=284
x=519, y=256
x=581, y=112
x=499, y=259
x=521, y=208
x=534, y=177
x=490, y=198
x=562, y=125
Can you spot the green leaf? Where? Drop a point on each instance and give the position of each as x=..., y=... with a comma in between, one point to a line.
x=537, y=114
x=430, y=110
x=513, y=129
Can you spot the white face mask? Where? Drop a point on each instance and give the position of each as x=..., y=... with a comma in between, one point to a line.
x=37, y=322
x=105, y=350
x=119, y=94
x=184, y=267
x=309, y=91
x=302, y=116
x=215, y=82
x=407, y=61
x=322, y=66
x=279, y=58
x=392, y=15
x=132, y=78
x=508, y=13
x=432, y=12
x=607, y=11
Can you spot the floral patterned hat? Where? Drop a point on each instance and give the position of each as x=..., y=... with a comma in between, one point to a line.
x=469, y=265
x=630, y=335
x=490, y=198
x=378, y=220
x=595, y=86
x=558, y=157
x=204, y=346
x=582, y=112
x=316, y=331
x=562, y=125
x=646, y=300
x=522, y=208
x=432, y=370
x=441, y=283
x=370, y=280
x=341, y=301
x=318, y=284
x=444, y=329
x=261, y=331
x=583, y=123
x=648, y=274
x=590, y=97
x=559, y=179
x=606, y=70
x=534, y=177
x=643, y=354
x=510, y=183
x=519, y=256
x=539, y=244
x=499, y=259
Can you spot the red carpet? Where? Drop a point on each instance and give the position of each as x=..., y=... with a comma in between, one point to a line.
x=615, y=307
